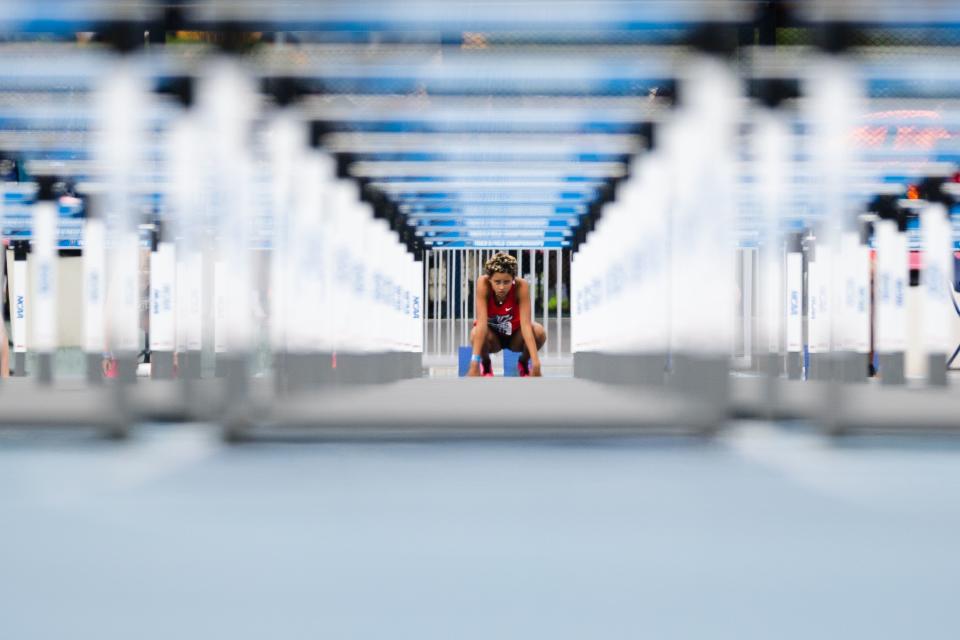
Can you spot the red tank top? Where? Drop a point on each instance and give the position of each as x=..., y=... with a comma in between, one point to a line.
x=504, y=318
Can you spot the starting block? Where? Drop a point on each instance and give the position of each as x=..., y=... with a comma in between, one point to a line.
x=509, y=361
x=463, y=360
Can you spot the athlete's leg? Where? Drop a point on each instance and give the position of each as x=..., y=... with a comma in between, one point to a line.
x=490, y=342
x=518, y=344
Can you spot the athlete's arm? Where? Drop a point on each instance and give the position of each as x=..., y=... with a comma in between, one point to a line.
x=526, y=325
x=480, y=334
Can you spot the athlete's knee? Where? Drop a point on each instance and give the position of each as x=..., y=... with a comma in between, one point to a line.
x=540, y=334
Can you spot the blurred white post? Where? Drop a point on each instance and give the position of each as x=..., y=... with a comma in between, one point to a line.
x=162, y=318
x=819, y=271
x=94, y=285
x=186, y=209
x=183, y=193
x=18, y=312
x=310, y=293
x=285, y=138
x=773, y=153
x=702, y=142
x=44, y=314
x=354, y=246
x=891, y=278
x=747, y=277
x=835, y=104
x=794, y=307
x=429, y=299
x=179, y=322
x=120, y=105
x=646, y=257
x=854, y=324
x=575, y=309
x=220, y=312
x=418, y=316
x=195, y=294
x=861, y=326
x=226, y=105
x=938, y=266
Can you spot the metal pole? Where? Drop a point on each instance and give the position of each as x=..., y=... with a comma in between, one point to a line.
x=436, y=302
x=441, y=276
x=533, y=287
x=449, y=274
x=440, y=260
x=546, y=288
x=441, y=326
x=444, y=308
x=559, y=290
x=460, y=281
x=427, y=261
x=427, y=298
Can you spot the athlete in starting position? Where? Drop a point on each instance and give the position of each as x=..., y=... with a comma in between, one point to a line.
x=503, y=319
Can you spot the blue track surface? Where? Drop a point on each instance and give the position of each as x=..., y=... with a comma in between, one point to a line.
x=763, y=533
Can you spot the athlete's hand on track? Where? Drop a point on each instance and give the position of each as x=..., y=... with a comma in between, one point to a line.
x=474, y=370
x=535, y=368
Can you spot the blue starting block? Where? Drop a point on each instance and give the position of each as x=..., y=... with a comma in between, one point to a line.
x=509, y=361
x=463, y=360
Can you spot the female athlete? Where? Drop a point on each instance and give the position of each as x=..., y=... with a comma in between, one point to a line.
x=503, y=319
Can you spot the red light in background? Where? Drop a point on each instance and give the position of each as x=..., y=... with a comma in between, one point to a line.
x=913, y=193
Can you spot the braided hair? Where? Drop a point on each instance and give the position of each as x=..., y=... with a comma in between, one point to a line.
x=501, y=263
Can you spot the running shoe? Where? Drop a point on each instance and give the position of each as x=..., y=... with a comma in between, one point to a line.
x=486, y=368
x=523, y=368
